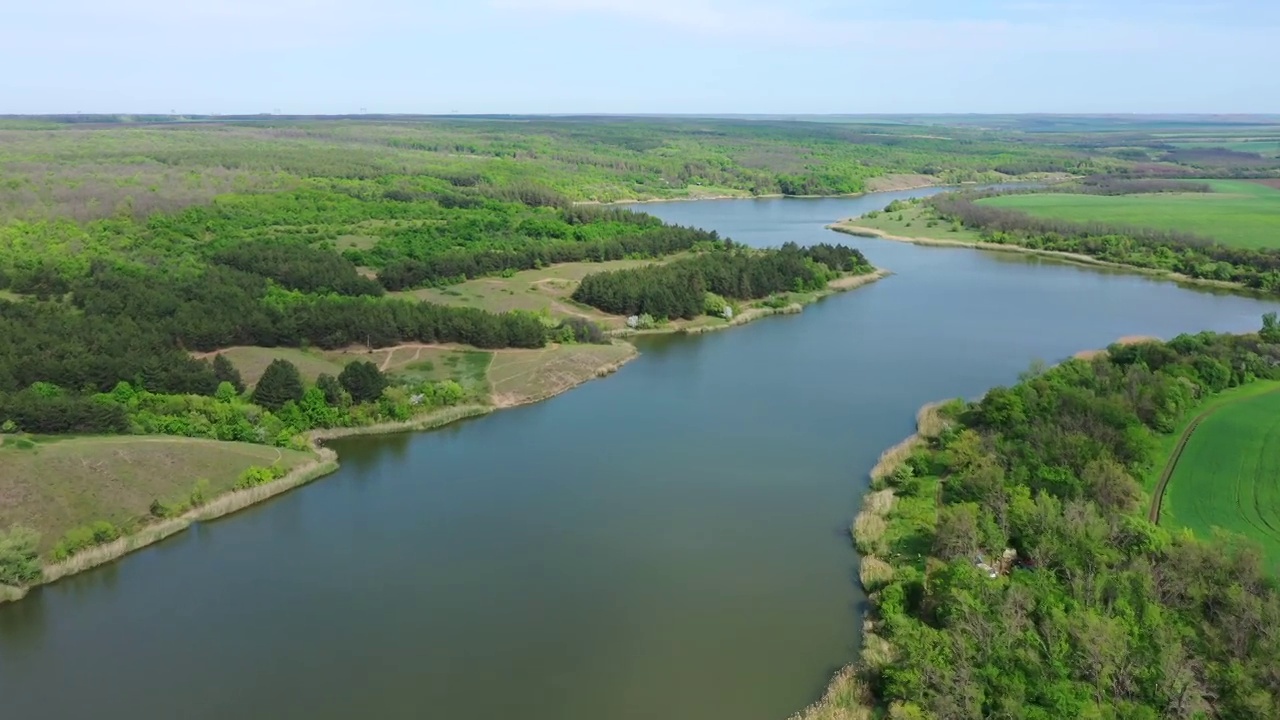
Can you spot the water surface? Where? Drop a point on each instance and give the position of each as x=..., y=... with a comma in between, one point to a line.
x=665, y=543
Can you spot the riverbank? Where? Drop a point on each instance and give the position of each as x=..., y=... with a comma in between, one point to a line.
x=563, y=378
x=851, y=228
x=848, y=695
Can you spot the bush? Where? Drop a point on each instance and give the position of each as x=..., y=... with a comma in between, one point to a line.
x=83, y=537
x=19, y=563
x=258, y=475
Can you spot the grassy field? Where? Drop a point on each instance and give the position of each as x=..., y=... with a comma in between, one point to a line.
x=1237, y=212
x=61, y=483
x=1165, y=443
x=411, y=362
x=524, y=376
x=542, y=290
x=914, y=223
x=1229, y=474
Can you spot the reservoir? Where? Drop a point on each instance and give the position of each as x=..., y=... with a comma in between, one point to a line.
x=669, y=542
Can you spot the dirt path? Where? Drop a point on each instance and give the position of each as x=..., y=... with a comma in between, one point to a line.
x=1157, y=499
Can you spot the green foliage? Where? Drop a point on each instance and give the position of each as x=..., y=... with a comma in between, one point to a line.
x=84, y=537
x=281, y=383
x=679, y=289
x=363, y=380
x=714, y=305
x=1094, y=612
x=19, y=561
x=258, y=475
x=225, y=372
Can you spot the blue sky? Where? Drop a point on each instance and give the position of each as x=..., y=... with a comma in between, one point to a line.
x=633, y=56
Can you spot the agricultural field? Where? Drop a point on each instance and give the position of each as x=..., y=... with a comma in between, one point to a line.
x=543, y=290
x=1228, y=476
x=54, y=484
x=1239, y=213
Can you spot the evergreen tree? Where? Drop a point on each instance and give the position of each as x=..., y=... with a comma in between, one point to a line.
x=226, y=372
x=363, y=380
x=279, y=384
x=332, y=390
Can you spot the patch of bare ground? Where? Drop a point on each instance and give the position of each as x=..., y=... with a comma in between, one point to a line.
x=901, y=181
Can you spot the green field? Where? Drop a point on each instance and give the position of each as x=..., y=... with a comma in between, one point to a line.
x=541, y=290
x=1229, y=474
x=55, y=484
x=1238, y=212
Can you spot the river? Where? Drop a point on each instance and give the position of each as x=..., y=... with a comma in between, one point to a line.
x=665, y=543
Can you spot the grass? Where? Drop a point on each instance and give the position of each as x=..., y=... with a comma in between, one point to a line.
x=1238, y=213
x=1229, y=474
x=915, y=224
x=411, y=362
x=10, y=296
x=54, y=486
x=524, y=376
x=544, y=290
x=1165, y=443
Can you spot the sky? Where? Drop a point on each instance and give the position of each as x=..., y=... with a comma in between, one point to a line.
x=639, y=56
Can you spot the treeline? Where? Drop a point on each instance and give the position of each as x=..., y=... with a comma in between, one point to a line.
x=457, y=265
x=1168, y=250
x=299, y=267
x=1114, y=185
x=1016, y=575
x=678, y=289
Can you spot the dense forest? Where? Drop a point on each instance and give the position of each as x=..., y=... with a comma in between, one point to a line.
x=1014, y=571
x=679, y=289
x=1179, y=252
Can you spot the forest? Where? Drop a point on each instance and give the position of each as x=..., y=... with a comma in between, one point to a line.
x=1014, y=572
x=679, y=289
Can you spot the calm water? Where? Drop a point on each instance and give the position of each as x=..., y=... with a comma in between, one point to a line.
x=665, y=543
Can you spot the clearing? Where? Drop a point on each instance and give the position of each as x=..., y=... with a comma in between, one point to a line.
x=544, y=290
x=410, y=362
x=1239, y=213
x=524, y=376
x=57, y=483
x=1228, y=473
x=914, y=221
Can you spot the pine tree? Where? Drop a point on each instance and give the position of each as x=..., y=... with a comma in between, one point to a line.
x=363, y=380
x=279, y=384
x=328, y=385
x=226, y=372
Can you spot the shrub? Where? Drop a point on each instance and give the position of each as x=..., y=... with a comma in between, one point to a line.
x=83, y=537
x=19, y=563
x=258, y=475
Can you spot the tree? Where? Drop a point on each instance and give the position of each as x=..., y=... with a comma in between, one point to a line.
x=332, y=390
x=1270, y=332
x=279, y=384
x=363, y=380
x=224, y=371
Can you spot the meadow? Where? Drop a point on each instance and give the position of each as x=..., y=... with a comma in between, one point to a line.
x=1238, y=213
x=55, y=484
x=1228, y=476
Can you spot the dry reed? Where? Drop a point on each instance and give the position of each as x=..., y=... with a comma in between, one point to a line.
x=847, y=698
x=868, y=532
x=874, y=573
x=879, y=502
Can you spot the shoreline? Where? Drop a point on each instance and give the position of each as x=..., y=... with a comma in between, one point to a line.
x=848, y=228
x=839, y=285
x=326, y=460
